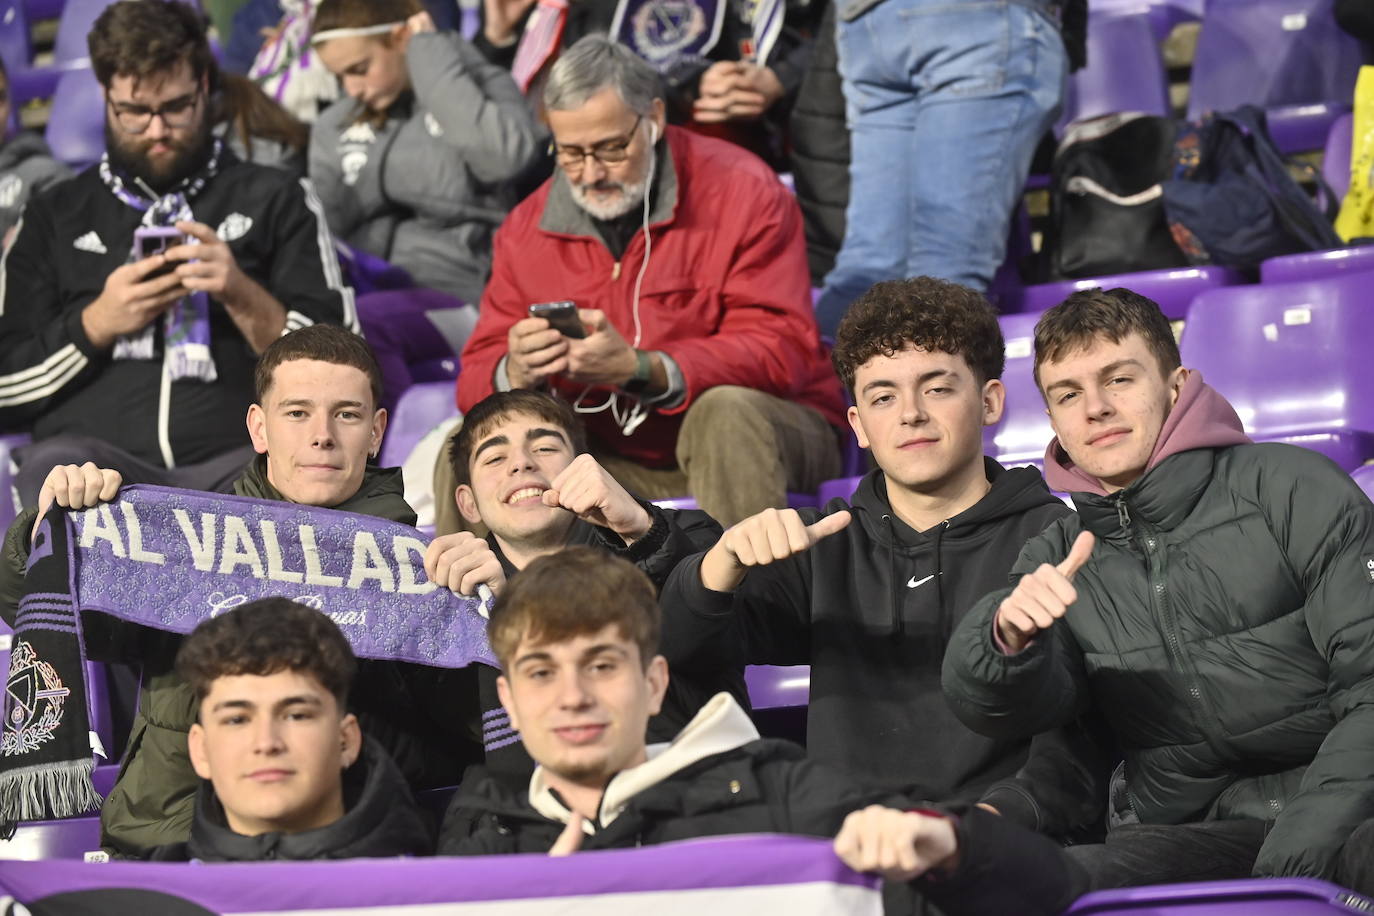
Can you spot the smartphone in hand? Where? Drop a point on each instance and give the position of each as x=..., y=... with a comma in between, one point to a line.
x=561, y=316
x=151, y=240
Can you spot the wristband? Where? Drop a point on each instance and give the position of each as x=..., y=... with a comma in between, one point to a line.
x=644, y=369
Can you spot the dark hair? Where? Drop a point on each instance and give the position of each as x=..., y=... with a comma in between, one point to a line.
x=358, y=14
x=139, y=38
x=264, y=637
x=252, y=113
x=922, y=312
x=1113, y=314
x=578, y=591
x=495, y=409
x=327, y=343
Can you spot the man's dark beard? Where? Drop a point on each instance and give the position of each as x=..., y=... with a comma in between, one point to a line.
x=127, y=156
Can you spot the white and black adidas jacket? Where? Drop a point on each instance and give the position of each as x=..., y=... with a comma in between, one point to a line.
x=68, y=241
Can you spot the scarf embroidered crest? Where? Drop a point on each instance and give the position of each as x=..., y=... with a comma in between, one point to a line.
x=168, y=559
x=186, y=325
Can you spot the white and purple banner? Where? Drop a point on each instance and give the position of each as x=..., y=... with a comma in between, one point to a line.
x=168, y=559
x=727, y=876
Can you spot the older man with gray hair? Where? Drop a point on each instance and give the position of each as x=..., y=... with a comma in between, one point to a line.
x=670, y=274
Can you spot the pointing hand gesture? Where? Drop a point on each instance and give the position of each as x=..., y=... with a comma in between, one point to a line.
x=1042, y=597
x=570, y=840
x=772, y=535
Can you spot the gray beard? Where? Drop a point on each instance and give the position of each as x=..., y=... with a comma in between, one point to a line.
x=631, y=196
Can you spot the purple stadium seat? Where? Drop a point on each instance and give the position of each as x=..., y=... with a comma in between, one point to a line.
x=418, y=411
x=43, y=9
x=1286, y=56
x=839, y=488
x=1336, y=159
x=1024, y=430
x=70, y=838
x=1163, y=15
x=794, y=501
x=1124, y=73
x=76, y=126
x=1291, y=358
x=1173, y=288
x=1364, y=476
x=778, y=686
x=1250, y=897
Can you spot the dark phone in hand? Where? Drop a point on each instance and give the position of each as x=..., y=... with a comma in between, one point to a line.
x=562, y=317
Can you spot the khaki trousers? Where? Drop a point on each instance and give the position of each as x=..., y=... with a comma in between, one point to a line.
x=739, y=452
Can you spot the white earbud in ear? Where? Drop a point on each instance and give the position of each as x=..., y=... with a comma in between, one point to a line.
x=653, y=133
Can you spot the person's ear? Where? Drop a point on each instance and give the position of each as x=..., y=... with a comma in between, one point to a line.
x=195, y=745
x=503, y=693
x=378, y=430
x=994, y=401
x=856, y=424
x=257, y=428
x=467, y=503
x=1177, y=378
x=351, y=739
x=657, y=676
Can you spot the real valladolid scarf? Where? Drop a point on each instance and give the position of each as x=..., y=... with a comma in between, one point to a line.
x=168, y=559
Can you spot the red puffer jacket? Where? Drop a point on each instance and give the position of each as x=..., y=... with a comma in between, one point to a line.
x=726, y=293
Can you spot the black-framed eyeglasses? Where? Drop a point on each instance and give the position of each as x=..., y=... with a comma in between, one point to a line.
x=608, y=152
x=135, y=119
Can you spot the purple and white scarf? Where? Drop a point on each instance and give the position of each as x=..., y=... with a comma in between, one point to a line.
x=186, y=324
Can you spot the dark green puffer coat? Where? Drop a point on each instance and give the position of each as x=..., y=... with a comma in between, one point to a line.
x=1225, y=628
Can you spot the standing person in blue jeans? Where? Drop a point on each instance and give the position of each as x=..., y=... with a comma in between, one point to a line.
x=946, y=101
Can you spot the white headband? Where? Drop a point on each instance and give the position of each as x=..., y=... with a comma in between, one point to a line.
x=363, y=32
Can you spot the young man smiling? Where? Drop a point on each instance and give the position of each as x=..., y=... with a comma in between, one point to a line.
x=577, y=637
x=867, y=593
x=287, y=772
x=1212, y=598
x=522, y=471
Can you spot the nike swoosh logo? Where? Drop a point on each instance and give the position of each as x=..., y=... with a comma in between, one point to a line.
x=912, y=582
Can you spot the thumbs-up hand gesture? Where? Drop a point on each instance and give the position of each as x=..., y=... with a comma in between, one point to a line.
x=1042, y=597
x=570, y=840
x=772, y=535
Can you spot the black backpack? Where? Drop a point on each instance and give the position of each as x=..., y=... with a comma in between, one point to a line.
x=1136, y=192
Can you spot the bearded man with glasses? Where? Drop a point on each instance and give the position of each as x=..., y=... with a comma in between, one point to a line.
x=698, y=368
x=135, y=298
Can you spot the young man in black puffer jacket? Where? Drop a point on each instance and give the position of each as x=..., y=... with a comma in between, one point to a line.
x=287, y=773
x=577, y=637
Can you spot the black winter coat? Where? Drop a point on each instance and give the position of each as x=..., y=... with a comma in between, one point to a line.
x=820, y=152
x=767, y=786
x=1224, y=627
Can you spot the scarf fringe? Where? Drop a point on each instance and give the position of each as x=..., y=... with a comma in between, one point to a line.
x=50, y=790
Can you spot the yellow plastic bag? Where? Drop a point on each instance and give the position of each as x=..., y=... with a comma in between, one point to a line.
x=1356, y=218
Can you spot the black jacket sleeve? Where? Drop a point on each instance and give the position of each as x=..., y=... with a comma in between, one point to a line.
x=44, y=352
x=1042, y=687
x=305, y=276
x=1061, y=791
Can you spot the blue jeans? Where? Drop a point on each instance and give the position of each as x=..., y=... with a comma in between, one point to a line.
x=946, y=102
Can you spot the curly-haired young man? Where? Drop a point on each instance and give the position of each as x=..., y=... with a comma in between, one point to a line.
x=868, y=592
x=287, y=772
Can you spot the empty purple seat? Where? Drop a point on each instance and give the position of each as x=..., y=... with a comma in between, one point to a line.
x=1173, y=288
x=1286, y=56
x=1250, y=897
x=419, y=410
x=778, y=686
x=1163, y=15
x=1292, y=359
x=1364, y=476
x=840, y=488
x=1022, y=434
x=1124, y=73
x=1336, y=159
x=69, y=838
x=76, y=126
x=78, y=16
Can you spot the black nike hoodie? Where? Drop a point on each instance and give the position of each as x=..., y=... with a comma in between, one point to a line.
x=871, y=610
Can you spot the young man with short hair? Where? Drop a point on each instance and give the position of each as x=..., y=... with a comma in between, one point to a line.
x=577, y=637
x=314, y=425
x=287, y=773
x=868, y=592
x=1211, y=598
x=522, y=470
